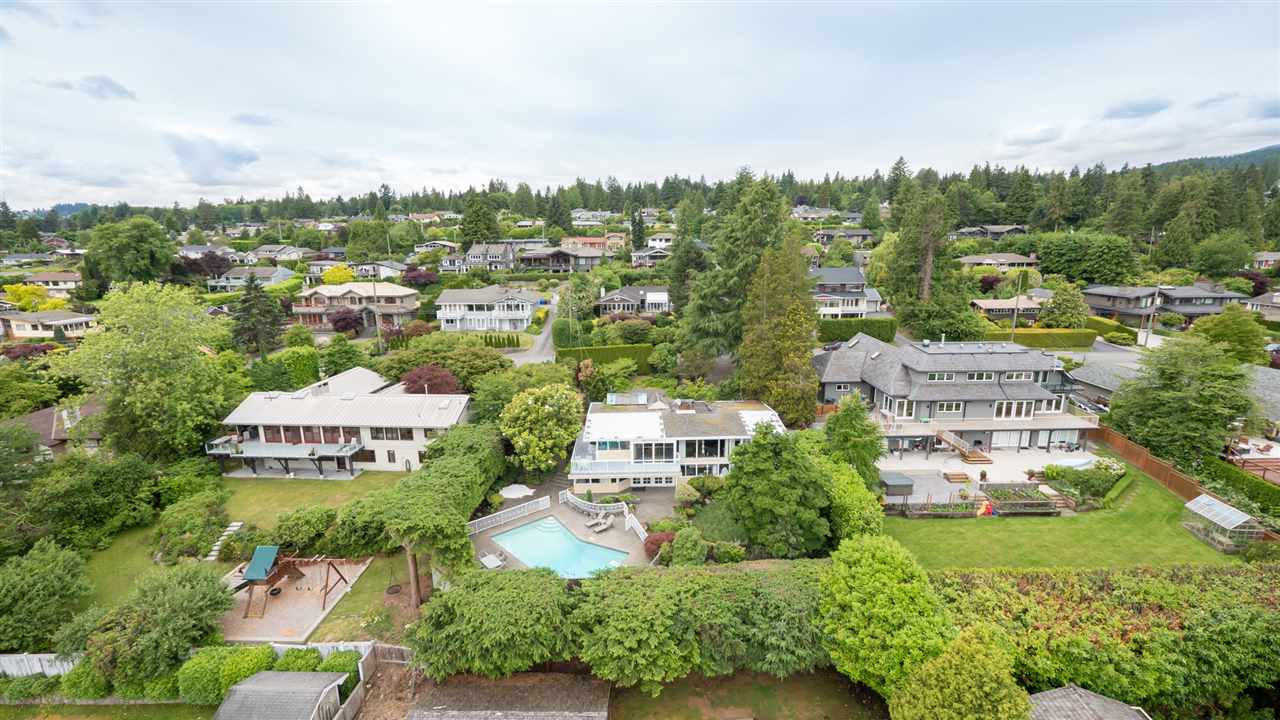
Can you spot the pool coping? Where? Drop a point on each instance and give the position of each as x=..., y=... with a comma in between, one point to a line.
x=618, y=537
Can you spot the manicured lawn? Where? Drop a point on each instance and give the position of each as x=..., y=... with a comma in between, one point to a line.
x=717, y=524
x=107, y=712
x=346, y=622
x=258, y=501
x=1141, y=529
x=113, y=571
x=815, y=696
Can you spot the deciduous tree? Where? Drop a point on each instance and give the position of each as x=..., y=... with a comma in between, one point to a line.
x=431, y=379
x=136, y=249
x=540, y=423
x=1066, y=309
x=1238, y=330
x=39, y=592
x=852, y=436
x=337, y=274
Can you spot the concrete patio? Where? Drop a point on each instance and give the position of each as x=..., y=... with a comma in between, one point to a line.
x=1006, y=465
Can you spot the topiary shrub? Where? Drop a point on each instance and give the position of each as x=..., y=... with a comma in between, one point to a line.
x=687, y=494
x=347, y=661
x=1120, y=338
x=244, y=663
x=299, y=660
x=85, y=682
x=200, y=677
x=688, y=547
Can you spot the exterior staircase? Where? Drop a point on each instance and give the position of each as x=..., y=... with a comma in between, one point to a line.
x=968, y=454
x=217, y=545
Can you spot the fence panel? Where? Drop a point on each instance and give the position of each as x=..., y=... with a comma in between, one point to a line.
x=394, y=654
x=506, y=516
x=590, y=507
x=634, y=524
x=24, y=664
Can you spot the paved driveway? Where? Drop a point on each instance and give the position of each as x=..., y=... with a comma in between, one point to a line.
x=543, y=351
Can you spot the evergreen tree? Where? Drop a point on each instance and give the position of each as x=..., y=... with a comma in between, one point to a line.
x=637, y=230
x=687, y=260
x=1127, y=213
x=1177, y=247
x=8, y=220
x=777, y=495
x=479, y=221
x=898, y=174
x=341, y=355
x=779, y=323
x=558, y=214
x=871, y=212
x=855, y=438
x=1024, y=197
x=522, y=201
x=257, y=319
x=690, y=216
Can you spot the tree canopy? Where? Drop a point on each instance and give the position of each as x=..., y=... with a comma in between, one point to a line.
x=777, y=495
x=540, y=423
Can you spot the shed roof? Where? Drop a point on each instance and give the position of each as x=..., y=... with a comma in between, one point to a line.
x=1075, y=703
x=1218, y=512
x=277, y=695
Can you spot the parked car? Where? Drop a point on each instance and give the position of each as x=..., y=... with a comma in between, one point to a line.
x=1087, y=405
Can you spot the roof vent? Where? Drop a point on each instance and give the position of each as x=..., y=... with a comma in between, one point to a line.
x=348, y=396
x=875, y=355
x=926, y=342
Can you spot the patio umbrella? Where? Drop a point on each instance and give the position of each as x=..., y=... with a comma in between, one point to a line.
x=512, y=492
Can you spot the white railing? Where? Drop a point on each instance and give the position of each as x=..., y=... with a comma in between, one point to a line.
x=590, y=507
x=632, y=523
x=506, y=516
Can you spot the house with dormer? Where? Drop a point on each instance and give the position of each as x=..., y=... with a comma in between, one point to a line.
x=492, y=308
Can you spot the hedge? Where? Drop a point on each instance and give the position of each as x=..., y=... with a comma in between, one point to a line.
x=244, y=663
x=1104, y=325
x=299, y=660
x=347, y=661
x=1273, y=325
x=200, y=677
x=1266, y=494
x=608, y=353
x=1046, y=337
x=880, y=328
x=1117, y=490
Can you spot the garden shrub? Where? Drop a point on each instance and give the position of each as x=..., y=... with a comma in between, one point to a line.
x=85, y=682
x=562, y=332
x=1119, y=338
x=188, y=528
x=299, y=532
x=358, y=530
x=200, y=678
x=1105, y=326
x=609, y=353
x=164, y=687
x=244, y=663
x=1117, y=490
x=1220, y=473
x=347, y=661
x=688, y=547
x=1046, y=337
x=1085, y=483
x=883, y=329
x=727, y=552
x=239, y=545
x=972, y=678
x=30, y=687
x=131, y=689
x=303, y=364
x=687, y=494
x=185, y=478
x=298, y=660
x=494, y=624
x=654, y=542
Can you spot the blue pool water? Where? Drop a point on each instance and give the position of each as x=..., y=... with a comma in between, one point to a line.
x=547, y=543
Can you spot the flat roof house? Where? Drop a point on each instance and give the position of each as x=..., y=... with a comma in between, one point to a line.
x=379, y=269
x=843, y=293
x=994, y=232
x=1193, y=301
x=237, y=277
x=25, y=258
x=857, y=236
x=45, y=324
x=643, y=439
x=429, y=245
x=390, y=304
x=661, y=241
x=283, y=253
x=1135, y=304
x=634, y=300
x=609, y=243
x=1004, y=262
x=58, y=284
x=967, y=394
x=489, y=308
x=355, y=420
x=1024, y=306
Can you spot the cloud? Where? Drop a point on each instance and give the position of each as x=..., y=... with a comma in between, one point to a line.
x=208, y=161
x=95, y=86
x=30, y=11
x=1216, y=100
x=43, y=163
x=1039, y=136
x=253, y=120
x=1268, y=109
x=5, y=39
x=1135, y=109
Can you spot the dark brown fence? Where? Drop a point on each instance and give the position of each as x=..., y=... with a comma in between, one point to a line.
x=1182, y=485
x=1268, y=470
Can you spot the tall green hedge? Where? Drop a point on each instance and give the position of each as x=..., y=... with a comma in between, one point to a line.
x=1046, y=337
x=1266, y=494
x=880, y=328
x=1104, y=325
x=608, y=353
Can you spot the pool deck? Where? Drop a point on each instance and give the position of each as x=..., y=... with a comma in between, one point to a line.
x=616, y=537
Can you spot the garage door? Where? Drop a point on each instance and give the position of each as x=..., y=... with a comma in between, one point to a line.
x=1005, y=438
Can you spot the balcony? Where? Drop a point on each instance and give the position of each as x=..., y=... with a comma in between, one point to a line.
x=622, y=467
x=1073, y=419
x=228, y=447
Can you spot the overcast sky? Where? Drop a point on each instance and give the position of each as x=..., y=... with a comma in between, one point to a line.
x=152, y=103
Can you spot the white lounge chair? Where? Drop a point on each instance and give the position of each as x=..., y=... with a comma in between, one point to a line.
x=608, y=523
x=599, y=519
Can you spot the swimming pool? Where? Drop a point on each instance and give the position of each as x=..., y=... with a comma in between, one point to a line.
x=548, y=543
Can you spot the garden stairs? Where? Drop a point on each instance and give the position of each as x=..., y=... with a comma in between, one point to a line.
x=968, y=454
x=217, y=545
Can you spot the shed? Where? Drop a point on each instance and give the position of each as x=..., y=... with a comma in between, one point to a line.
x=274, y=695
x=525, y=696
x=1075, y=703
x=1219, y=524
x=896, y=483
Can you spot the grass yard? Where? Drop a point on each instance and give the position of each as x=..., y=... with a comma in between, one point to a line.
x=1141, y=529
x=107, y=712
x=113, y=571
x=814, y=696
x=367, y=596
x=257, y=501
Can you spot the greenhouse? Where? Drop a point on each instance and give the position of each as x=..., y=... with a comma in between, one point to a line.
x=1219, y=524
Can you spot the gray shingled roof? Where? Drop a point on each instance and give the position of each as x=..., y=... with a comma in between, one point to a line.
x=965, y=356
x=276, y=695
x=1075, y=703
x=633, y=293
x=1125, y=291
x=1266, y=390
x=488, y=294
x=1105, y=375
x=996, y=257
x=968, y=391
x=1196, y=291
x=526, y=696
x=838, y=275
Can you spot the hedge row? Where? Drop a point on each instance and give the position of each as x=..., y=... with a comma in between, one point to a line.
x=1266, y=494
x=1046, y=337
x=884, y=329
x=1273, y=325
x=609, y=353
x=206, y=677
x=288, y=287
x=1104, y=325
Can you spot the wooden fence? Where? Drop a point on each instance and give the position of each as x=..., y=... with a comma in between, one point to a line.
x=1181, y=484
x=1269, y=471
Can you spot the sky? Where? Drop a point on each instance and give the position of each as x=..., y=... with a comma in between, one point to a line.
x=154, y=103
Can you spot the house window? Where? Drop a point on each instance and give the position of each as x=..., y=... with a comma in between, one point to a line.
x=332, y=435
x=406, y=433
x=1010, y=409
x=985, y=376
x=653, y=452
x=293, y=435
x=271, y=433
x=311, y=434
x=391, y=456
x=843, y=387
x=905, y=409
x=1020, y=376
x=940, y=377
x=364, y=456
x=948, y=407
x=1051, y=406
x=350, y=434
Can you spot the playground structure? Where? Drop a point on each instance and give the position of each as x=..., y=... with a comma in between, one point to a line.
x=266, y=569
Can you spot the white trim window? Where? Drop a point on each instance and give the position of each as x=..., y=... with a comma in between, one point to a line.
x=982, y=376
x=1051, y=406
x=1018, y=376
x=1013, y=409
x=940, y=377
x=905, y=409
x=843, y=387
x=949, y=407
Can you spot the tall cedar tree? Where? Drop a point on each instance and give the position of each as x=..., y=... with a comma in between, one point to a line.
x=714, y=312
x=479, y=221
x=852, y=436
x=637, y=230
x=558, y=214
x=687, y=260
x=777, y=495
x=779, y=323
x=257, y=320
